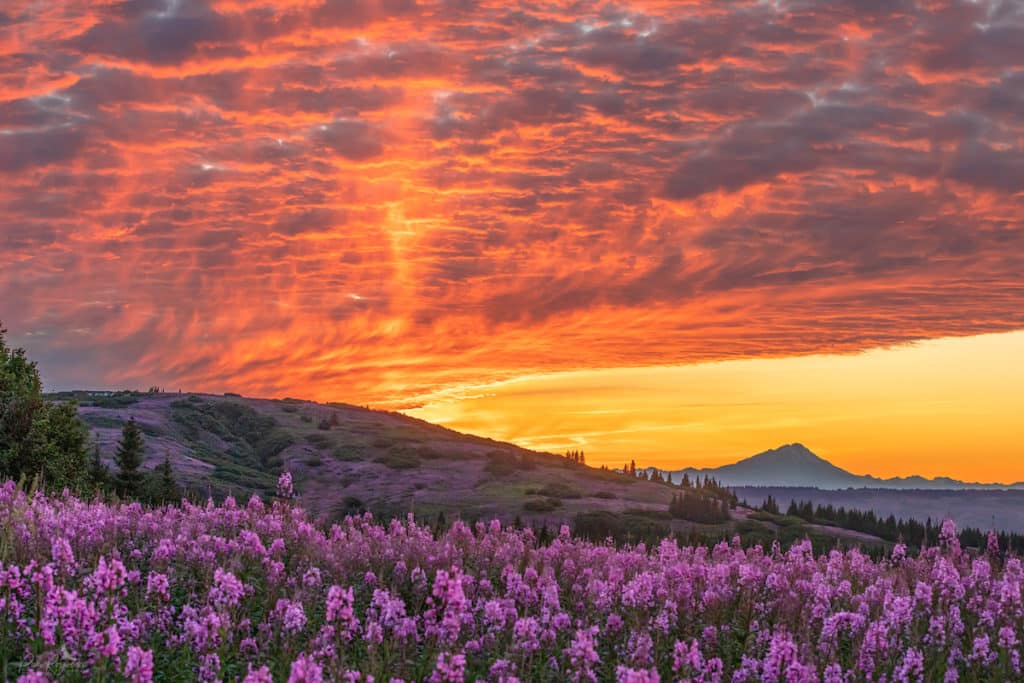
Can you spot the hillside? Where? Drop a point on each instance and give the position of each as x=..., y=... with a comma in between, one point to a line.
x=795, y=465
x=346, y=459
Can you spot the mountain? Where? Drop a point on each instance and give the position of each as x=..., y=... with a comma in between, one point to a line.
x=795, y=465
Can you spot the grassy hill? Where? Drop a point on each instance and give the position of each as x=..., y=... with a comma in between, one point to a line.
x=346, y=459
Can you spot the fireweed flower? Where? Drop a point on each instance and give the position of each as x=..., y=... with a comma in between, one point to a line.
x=227, y=590
x=234, y=592
x=284, y=486
x=138, y=667
x=260, y=675
x=305, y=670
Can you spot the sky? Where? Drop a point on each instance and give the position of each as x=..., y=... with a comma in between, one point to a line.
x=493, y=213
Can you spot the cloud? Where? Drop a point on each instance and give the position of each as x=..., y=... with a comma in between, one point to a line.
x=389, y=197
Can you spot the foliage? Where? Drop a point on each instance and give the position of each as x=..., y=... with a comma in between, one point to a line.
x=38, y=438
x=501, y=464
x=319, y=440
x=559, y=489
x=542, y=504
x=346, y=453
x=160, y=486
x=399, y=459
x=695, y=507
x=129, y=458
x=256, y=439
x=910, y=531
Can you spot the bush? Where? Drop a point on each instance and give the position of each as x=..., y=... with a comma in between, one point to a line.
x=314, y=461
x=290, y=408
x=399, y=460
x=319, y=440
x=121, y=399
x=347, y=507
x=306, y=418
x=324, y=425
x=607, y=495
x=500, y=465
x=649, y=514
x=346, y=454
x=272, y=445
x=560, y=490
x=542, y=504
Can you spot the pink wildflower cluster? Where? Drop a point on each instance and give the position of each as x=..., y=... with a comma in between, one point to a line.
x=259, y=593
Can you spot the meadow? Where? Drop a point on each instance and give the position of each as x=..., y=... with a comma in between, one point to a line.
x=258, y=592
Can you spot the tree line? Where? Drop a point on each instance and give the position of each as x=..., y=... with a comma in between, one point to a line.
x=910, y=531
x=44, y=443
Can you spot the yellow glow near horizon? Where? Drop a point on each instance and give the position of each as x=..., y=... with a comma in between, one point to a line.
x=947, y=407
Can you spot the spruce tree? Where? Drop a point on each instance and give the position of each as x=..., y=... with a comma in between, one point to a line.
x=167, y=490
x=129, y=461
x=99, y=474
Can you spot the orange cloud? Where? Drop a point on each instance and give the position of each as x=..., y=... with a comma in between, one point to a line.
x=375, y=200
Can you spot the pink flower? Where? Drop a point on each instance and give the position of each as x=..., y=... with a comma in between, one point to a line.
x=158, y=587
x=138, y=667
x=227, y=590
x=305, y=670
x=33, y=677
x=284, y=486
x=582, y=654
x=624, y=674
x=291, y=614
x=260, y=675
x=450, y=668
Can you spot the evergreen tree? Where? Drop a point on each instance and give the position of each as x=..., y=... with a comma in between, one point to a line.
x=129, y=458
x=166, y=489
x=99, y=473
x=685, y=483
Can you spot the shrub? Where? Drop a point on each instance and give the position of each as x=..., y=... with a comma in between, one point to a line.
x=346, y=454
x=560, y=490
x=273, y=444
x=542, y=504
x=399, y=460
x=319, y=440
x=500, y=465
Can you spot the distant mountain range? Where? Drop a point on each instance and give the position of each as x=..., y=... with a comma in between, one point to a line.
x=794, y=465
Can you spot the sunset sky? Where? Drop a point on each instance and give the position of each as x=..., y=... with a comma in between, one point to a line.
x=680, y=232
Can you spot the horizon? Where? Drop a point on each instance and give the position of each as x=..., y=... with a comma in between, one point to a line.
x=662, y=232
x=470, y=417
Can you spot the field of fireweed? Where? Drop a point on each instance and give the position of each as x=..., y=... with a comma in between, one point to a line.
x=256, y=592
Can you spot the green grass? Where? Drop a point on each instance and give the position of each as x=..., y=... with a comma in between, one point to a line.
x=256, y=440
x=319, y=440
x=560, y=490
x=103, y=421
x=399, y=460
x=347, y=453
x=542, y=504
